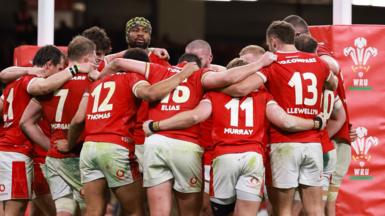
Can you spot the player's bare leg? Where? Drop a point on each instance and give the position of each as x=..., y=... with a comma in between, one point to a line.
x=1, y=209
x=246, y=208
x=270, y=200
x=188, y=203
x=160, y=199
x=130, y=197
x=283, y=199
x=15, y=207
x=206, y=208
x=312, y=200
x=297, y=204
x=331, y=208
x=94, y=195
x=43, y=205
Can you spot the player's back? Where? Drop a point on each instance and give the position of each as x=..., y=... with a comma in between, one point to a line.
x=60, y=107
x=184, y=97
x=111, y=109
x=15, y=99
x=239, y=124
x=296, y=81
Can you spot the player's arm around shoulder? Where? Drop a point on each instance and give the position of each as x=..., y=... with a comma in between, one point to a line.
x=213, y=80
x=278, y=117
x=12, y=73
x=42, y=86
x=122, y=64
x=244, y=87
x=159, y=90
x=181, y=120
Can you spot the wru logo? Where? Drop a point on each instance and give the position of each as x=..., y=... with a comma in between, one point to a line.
x=360, y=56
x=361, y=147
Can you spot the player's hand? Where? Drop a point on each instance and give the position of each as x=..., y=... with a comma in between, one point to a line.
x=86, y=67
x=352, y=134
x=62, y=145
x=35, y=71
x=190, y=68
x=323, y=120
x=146, y=128
x=267, y=58
x=94, y=75
x=161, y=53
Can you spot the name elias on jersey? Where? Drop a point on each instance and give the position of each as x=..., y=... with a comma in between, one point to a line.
x=306, y=111
x=60, y=126
x=98, y=116
x=237, y=131
x=170, y=107
x=298, y=60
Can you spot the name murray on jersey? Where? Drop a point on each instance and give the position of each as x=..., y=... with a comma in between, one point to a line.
x=237, y=131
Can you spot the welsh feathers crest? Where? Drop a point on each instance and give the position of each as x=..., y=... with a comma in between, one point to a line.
x=360, y=55
x=363, y=144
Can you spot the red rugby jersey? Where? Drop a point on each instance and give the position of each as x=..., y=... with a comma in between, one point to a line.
x=16, y=99
x=111, y=109
x=155, y=59
x=239, y=124
x=59, y=108
x=184, y=97
x=296, y=81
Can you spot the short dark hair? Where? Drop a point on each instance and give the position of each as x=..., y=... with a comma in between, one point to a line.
x=297, y=21
x=99, y=37
x=136, y=54
x=306, y=43
x=47, y=53
x=282, y=30
x=80, y=46
x=190, y=58
x=236, y=63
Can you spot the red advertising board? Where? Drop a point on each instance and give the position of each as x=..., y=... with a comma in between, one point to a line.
x=23, y=55
x=360, y=50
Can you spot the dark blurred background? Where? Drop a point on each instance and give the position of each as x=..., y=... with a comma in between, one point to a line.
x=226, y=25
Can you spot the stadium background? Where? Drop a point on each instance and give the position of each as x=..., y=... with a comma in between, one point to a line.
x=228, y=26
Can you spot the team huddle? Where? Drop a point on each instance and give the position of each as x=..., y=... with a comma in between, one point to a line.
x=196, y=138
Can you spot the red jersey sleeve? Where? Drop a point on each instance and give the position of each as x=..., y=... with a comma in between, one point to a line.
x=133, y=80
x=264, y=73
x=155, y=72
x=323, y=49
x=155, y=59
x=26, y=81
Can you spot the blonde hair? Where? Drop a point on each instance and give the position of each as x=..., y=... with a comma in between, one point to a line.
x=253, y=49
